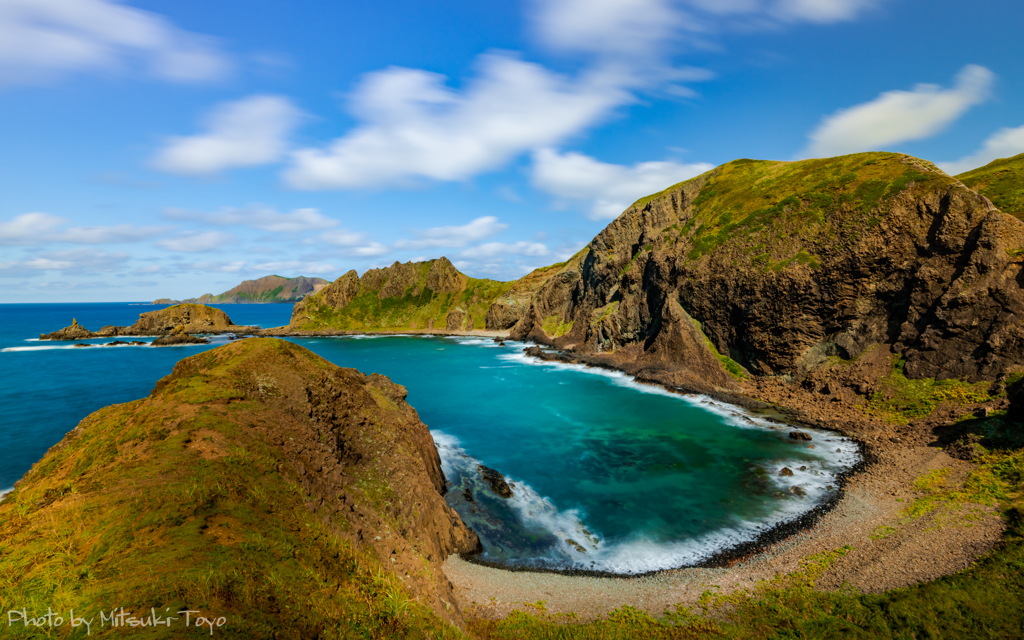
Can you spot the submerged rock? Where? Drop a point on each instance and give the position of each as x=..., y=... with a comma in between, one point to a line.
x=575, y=545
x=179, y=338
x=496, y=481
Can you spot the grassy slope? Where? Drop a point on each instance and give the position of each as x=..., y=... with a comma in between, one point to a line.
x=1002, y=182
x=260, y=290
x=773, y=215
x=367, y=311
x=127, y=513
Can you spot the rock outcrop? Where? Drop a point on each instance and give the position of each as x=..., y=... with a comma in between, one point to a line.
x=256, y=478
x=789, y=266
x=178, y=319
x=404, y=296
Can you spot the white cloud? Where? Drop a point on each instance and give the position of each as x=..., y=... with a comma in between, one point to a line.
x=413, y=126
x=295, y=266
x=632, y=31
x=218, y=266
x=72, y=260
x=244, y=133
x=820, y=11
x=609, y=188
x=342, y=237
x=370, y=250
x=42, y=228
x=610, y=27
x=899, y=116
x=491, y=250
x=40, y=39
x=453, y=236
x=259, y=217
x=1002, y=144
x=194, y=242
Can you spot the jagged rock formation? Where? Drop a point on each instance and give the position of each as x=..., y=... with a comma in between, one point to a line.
x=268, y=289
x=409, y=296
x=1002, y=182
x=178, y=319
x=258, y=482
x=790, y=265
x=510, y=307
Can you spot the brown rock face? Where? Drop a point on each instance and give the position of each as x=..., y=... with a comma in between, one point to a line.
x=193, y=318
x=456, y=319
x=787, y=264
x=74, y=331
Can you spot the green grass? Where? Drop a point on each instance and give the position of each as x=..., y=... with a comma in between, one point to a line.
x=124, y=515
x=732, y=367
x=1002, y=182
x=778, y=216
x=900, y=400
x=418, y=308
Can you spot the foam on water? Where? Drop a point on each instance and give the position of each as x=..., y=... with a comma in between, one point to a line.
x=4, y=493
x=818, y=478
x=639, y=554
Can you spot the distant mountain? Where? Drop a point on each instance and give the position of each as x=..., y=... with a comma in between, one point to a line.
x=268, y=289
x=1002, y=182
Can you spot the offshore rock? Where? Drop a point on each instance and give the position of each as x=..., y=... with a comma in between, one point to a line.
x=178, y=319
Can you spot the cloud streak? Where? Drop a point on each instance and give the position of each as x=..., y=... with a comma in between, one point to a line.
x=43, y=228
x=414, y=127
x=245, y=133
x=42, y=39
x=259, y=217
x=900, y=116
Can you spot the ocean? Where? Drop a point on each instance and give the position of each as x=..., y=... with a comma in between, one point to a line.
x=606, y=474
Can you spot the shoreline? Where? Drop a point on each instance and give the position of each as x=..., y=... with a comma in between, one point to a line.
x=918, y=550
x=865, y=504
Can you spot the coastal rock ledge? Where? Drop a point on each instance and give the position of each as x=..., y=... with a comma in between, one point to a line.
x=258, y=482
x=179, y=319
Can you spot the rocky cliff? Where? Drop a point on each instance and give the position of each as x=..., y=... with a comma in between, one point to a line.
x=258, y=482
x=781, y=268
x=1002, y=182
x=412, y=296
x=177, y=319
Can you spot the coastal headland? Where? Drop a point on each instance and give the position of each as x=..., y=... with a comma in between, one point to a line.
x=871, y=294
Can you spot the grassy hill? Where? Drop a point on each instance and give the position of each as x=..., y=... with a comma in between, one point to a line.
x=414, y=296
x=268, y=289
x=1002, y=182
x=208, y=496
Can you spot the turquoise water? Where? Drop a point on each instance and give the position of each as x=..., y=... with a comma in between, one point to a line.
x=606, y=474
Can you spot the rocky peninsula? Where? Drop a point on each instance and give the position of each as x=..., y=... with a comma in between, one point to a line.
x=178, y=320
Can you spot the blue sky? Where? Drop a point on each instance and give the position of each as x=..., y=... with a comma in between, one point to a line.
x=174, y=148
